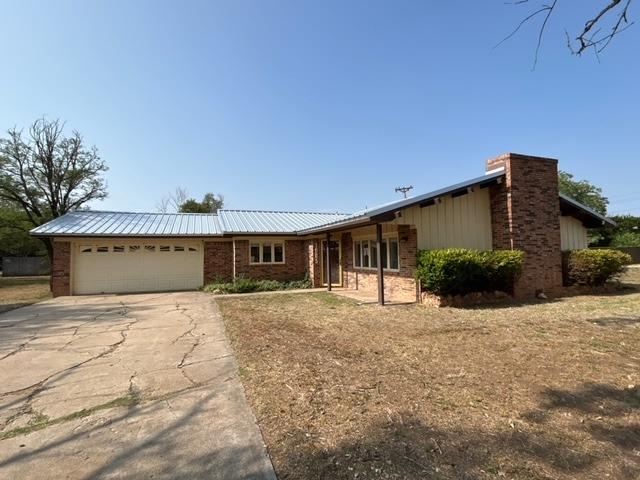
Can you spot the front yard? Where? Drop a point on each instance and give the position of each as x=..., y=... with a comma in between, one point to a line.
x=540, y=391
x=17, y=292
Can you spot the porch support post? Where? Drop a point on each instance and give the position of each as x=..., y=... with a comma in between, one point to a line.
x=379, y=263
x=327, y=254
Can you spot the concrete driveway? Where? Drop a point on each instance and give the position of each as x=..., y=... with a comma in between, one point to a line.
x=130, y=386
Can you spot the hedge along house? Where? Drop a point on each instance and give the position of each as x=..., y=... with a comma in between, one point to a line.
x=514, y=205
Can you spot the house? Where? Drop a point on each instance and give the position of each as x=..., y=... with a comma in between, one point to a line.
x=514, y=205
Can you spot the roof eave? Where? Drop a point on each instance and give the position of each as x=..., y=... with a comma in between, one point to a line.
x=600, y=220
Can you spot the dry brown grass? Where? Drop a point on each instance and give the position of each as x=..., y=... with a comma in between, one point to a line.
x=18, y=292
x=539, y=391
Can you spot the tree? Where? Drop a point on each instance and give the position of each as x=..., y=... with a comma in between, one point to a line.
x=209, y=204
x=601, y=26
x=583, y=192
x=172, y=201
x=14, y=234
x=46, y=174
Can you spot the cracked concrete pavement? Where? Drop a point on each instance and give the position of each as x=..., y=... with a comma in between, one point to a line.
x=127, y=386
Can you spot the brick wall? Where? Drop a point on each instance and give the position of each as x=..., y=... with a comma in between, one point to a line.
x=312, y=252
x=525, y=215
x=398, y=286
x=218, y=261
x=61, y=269
x=294, y=268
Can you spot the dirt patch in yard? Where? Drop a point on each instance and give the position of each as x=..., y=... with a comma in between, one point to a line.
x=17, y=292
x=540, y=391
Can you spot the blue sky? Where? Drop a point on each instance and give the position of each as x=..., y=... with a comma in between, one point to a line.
x=322, y=106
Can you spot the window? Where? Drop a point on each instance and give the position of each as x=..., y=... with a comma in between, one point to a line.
x=278, y=253
x=165, y=248
x=150, y=248
x=85, y=248
x=255, y=253
x=102, y=249
x=134, y=248
x=193, y=249
x=178, y=248
x=267, y=256
x=365, y=253
x=394, y=254
x=118, y=249
x=266, y=252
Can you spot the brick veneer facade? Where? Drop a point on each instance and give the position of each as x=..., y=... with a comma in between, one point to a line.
x=61, y=269
x=525, y=215
x=398, y=286
x=312, y=249
x=294, y=268
x=218, y=261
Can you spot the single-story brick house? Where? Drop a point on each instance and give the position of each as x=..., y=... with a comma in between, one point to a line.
x=514, y=205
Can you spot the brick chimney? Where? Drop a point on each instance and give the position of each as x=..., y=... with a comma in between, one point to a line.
x=525, y=215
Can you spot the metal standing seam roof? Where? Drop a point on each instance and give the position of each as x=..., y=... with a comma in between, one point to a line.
x=254, y=221
x=129, y=224
x=365, y=216
x=229, y=222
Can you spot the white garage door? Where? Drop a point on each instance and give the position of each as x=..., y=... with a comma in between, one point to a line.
x=136, y=266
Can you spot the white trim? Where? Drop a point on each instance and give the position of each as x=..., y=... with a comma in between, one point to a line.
x=273, y=244
x=494, y=170
x=370, y=239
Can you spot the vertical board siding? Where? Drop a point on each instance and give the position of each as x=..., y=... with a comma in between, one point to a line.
x=461, y=222
x=573, y=235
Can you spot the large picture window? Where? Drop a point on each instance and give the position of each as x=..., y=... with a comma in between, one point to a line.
x=365, y=253
x=266, y=252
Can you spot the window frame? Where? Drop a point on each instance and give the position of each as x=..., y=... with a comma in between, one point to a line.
x=272, y=250
x=370, y=242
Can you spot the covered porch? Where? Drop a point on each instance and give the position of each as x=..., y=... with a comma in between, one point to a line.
x=374, y=262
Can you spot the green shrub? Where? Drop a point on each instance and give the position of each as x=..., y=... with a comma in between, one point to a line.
x=592, y=267
x=247, y=285
x=457, y=271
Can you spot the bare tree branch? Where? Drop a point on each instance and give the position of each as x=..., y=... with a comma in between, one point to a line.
x=591, y=36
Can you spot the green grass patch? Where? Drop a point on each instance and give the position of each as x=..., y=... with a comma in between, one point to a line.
x=249, y=285
x=40, y=421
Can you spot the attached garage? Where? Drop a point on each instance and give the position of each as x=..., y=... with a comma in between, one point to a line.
x=117, y=266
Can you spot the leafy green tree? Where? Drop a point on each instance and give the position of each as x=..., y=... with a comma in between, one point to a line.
x=14, y=234
x=584, y=192
x=46, y=174
x=209, y=204
x=626, y=239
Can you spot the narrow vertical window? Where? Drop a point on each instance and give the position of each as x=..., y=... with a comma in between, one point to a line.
x=267, y=256
x=365, y=253
x=394, y=254
x=373, y=259
x=278, y=253
x=357, y=254
x=255, y=253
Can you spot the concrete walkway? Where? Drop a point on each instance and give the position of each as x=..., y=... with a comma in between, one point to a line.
x=132, y=386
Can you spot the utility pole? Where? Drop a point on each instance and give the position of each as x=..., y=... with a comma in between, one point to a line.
x=404, y=190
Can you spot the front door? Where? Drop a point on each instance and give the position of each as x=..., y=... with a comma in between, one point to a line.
x=336, y=268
